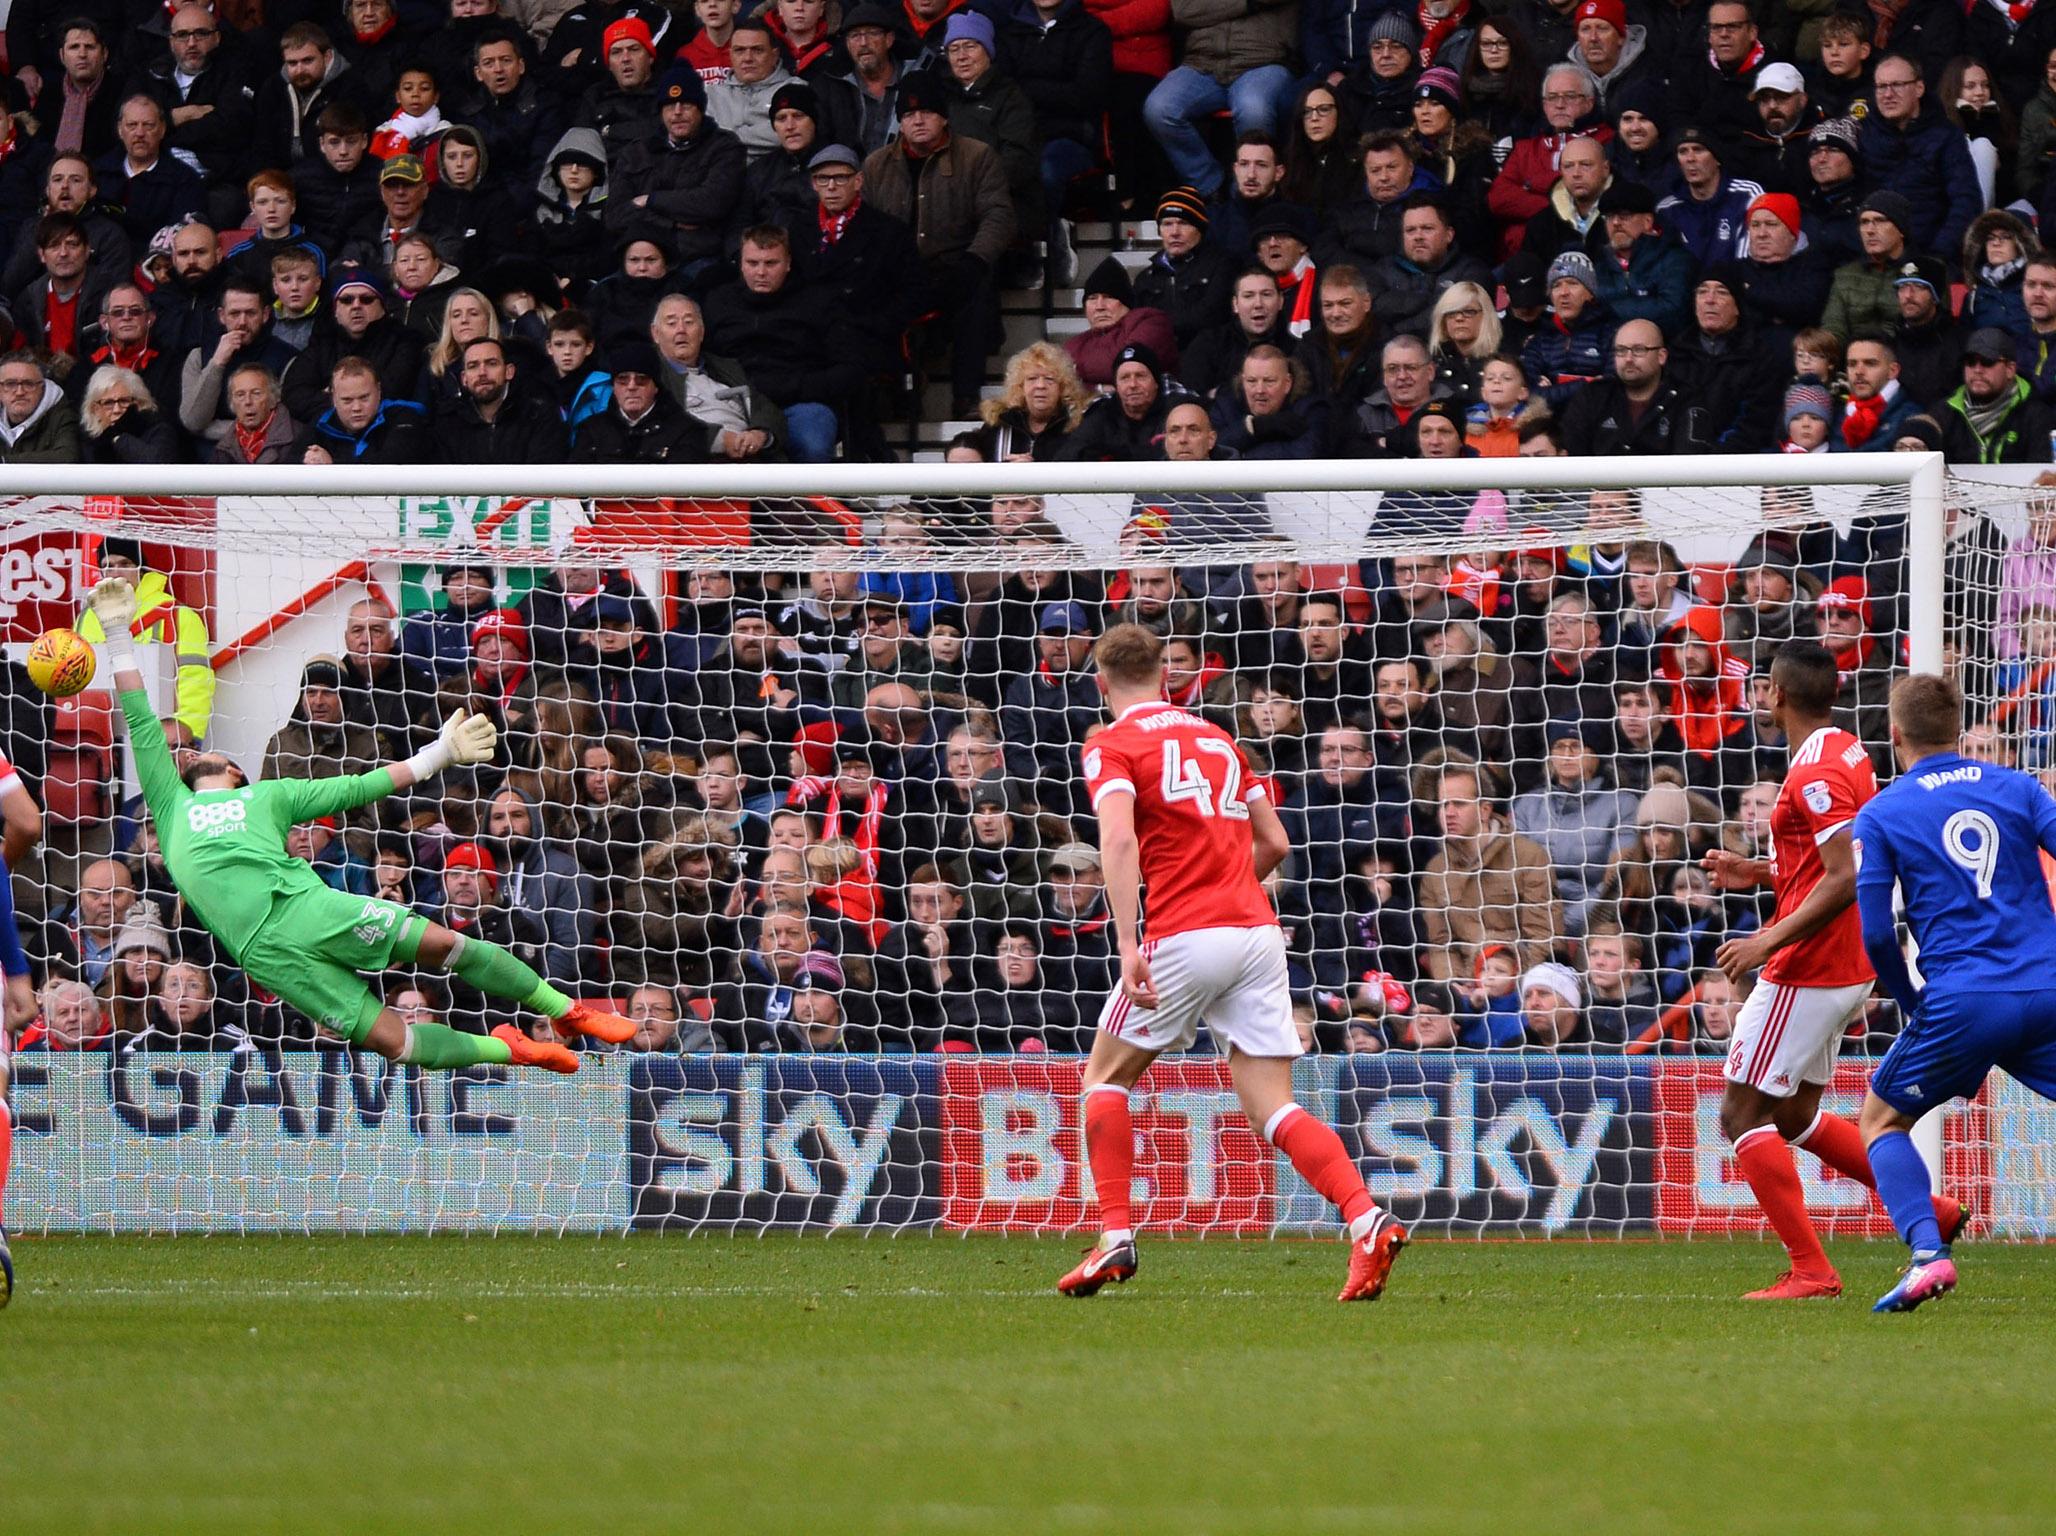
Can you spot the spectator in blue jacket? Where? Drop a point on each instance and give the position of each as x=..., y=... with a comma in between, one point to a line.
x=1915, y=151
x=1573, y=346
x=1711, y=215
x=1645, y=272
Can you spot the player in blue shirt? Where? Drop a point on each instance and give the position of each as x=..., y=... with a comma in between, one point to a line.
x=1963, y=840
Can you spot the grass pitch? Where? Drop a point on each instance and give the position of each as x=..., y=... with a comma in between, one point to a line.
x=917, y=1385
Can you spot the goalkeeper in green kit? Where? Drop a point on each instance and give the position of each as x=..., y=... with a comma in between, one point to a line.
x=224, y=841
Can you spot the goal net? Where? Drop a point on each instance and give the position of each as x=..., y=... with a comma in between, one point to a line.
x=789, y=775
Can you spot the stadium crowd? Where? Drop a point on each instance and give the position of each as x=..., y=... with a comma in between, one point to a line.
x=831, y=809
x=510, y=231
x=824, y=812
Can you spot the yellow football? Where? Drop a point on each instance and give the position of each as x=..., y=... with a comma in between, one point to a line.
x=61, y=663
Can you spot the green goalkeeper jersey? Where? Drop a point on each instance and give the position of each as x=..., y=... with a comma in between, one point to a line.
x=226, y=848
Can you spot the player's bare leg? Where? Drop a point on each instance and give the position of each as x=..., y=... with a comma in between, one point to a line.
x=1264, y=1085
x=1113, y=1069
x=1749, y=1118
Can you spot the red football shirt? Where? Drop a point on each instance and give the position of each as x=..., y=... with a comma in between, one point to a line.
x=1192, y=790
x=1829, y=780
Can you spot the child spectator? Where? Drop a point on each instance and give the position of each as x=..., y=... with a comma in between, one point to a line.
x=1808, y=411
x=1492, y=426
x=1817, y=355
x=1493, y=996
x=416, y=119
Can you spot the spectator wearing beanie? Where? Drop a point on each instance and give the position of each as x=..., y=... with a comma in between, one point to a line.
x=1833, y=194
x=778, y=188
x=1615, y=53
x=1640, y=151
x=439, y=641
x=1377, y=94
x=1573, y=346
x=1190, y=278
x=617, y=100
x=1711, y=214
x=741, y=104
x=953, y=192
x=356, y=323
x=1644, y=270
x=1782, y=282
x=1237, y=60
x=861, y=99
x=1117, y=322
x=988, y=106
x=1861, y=297
x=1807, y=412
x=591, y=29
x=1929, y=341
x=1911, y=149
x=1729, y=368
x=685, y=183
x=642, y=423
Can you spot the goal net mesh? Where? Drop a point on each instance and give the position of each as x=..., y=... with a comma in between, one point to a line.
x=795, y=786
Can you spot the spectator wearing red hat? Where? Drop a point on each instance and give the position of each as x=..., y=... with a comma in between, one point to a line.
x=471, y=906
x=1783, y=281
x=1615, y=52
x=580, y=43
x=1863, y=658
x=617, y=101
x=499, y=655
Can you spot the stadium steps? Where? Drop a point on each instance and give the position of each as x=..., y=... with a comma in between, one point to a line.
x=1133, y=241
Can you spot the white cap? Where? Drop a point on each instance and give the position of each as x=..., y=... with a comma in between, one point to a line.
x=1782, y=78
x=1558, y=978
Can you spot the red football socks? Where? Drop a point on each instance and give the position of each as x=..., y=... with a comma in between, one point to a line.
x=1319, y=1156
x=1110, y=1148
x=1766, y=1162
x=1839, y=1144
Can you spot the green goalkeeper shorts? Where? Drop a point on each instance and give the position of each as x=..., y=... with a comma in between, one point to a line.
x=312, y=948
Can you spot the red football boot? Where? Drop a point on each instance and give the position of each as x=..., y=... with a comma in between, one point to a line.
x=1117, y=1263
x=547, y=1054
x=584, y=1020
x=1371, y=1257
x=1793, y=1286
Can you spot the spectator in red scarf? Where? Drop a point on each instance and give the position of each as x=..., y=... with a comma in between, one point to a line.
x=1877, y=407
x=499, y=655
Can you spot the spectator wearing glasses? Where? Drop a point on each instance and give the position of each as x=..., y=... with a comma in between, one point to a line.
x=1911, y=149
x=1410, y=383
x=37, y=424
x=210, y=103
x=1638, y=410
x=1526, y=182
x=125, y=341
x=359, y=324
x=121, y=423
x=1714, y=91
x=1994, y=418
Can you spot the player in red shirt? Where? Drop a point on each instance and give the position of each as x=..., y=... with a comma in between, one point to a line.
x=1181, y=816
x=1815, y=978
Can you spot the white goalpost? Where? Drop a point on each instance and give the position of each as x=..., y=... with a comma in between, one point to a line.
x=788, y=774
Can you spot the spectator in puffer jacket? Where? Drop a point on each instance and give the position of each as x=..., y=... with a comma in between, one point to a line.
x=1571, y=349
x=1117, y=322
x=1910, y=148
